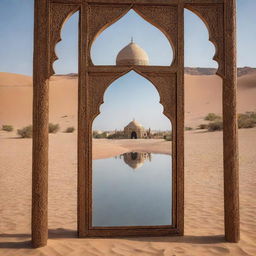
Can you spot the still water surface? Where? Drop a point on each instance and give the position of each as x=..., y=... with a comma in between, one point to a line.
x=133, y=189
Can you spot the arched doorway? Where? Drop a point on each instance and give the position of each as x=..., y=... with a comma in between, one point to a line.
x=133, y=135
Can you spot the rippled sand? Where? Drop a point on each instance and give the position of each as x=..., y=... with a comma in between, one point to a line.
x=203, y=199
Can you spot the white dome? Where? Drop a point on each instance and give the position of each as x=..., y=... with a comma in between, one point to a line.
x=132, y=54
x=134, y=125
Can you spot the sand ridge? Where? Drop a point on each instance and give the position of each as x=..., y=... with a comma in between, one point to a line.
x=203, y=94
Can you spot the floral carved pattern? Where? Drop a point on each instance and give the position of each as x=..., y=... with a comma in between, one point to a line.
x=59, y=14
x=213, y=17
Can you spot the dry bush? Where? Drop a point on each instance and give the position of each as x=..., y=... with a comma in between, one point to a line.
x=212, y=117
x=70, y=129
x=203, y=126
x=53, y=128
x=25, y=132
x=247, y=120
x=215, y=126
x=7, y=128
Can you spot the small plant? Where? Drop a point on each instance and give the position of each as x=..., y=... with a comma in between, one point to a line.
x=212, y=117
x=203, y=126
x=70, y=129
x=215, y=126
x=25, y=132
x=100, y=135
x=188, y=128
x=167, y=138
x=7, y=128
x=247, y=120
x=53, y=128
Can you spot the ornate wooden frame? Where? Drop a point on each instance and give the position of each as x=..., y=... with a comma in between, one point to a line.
x=94, y=17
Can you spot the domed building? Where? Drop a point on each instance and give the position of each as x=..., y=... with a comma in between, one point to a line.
x=134, y=130
x=135, y=159
x=132, y=54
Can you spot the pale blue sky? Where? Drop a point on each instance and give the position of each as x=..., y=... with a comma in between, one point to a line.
x=16, y=51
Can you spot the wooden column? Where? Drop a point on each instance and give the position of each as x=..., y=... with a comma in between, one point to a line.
x=180, y=120
x=83, y=126
x=230, y=134
x=40, y=125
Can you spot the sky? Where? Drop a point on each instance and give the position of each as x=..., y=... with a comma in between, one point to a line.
x=16, y=52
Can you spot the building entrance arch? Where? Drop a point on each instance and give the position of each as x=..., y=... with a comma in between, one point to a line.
x=134, y=135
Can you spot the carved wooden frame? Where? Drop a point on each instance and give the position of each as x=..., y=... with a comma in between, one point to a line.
x=94, y=17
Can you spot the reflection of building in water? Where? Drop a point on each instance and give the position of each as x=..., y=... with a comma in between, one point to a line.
x=136, y=160
x=135, y=130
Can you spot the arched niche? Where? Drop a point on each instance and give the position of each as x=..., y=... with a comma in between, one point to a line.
x=131, y=26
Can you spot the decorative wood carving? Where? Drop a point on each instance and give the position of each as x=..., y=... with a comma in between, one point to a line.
x=213, y=17
x=102, y=16
x=164, y=83
x=59, y=14
x=166, y=87
x=97, y=85
x=164, y=18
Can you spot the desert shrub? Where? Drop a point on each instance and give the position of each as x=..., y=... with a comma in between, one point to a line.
x=116, y=136
x=203, y=126
x=53, y=128
x=70, y=129
x=25, y=132
x=100, y=135
x=7, y=128
x=252, y=115
x=188, y=128
x=212, y=117
x=247, y=120
x=215, y=126
x=167, y=137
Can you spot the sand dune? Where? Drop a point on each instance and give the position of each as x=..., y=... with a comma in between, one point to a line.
x=204, y=226
x=203, y=94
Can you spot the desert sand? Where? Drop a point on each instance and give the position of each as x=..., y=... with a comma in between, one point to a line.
x=203, y=199
x=203, y=175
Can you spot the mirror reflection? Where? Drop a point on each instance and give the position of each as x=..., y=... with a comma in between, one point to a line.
x=132, y=189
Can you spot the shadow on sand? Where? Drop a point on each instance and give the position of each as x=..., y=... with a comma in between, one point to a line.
x=66, y=234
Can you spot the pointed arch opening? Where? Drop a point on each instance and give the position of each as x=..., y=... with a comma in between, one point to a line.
x=132, y=152
x=203, y=109
x=132, y=28
x=63, y=106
